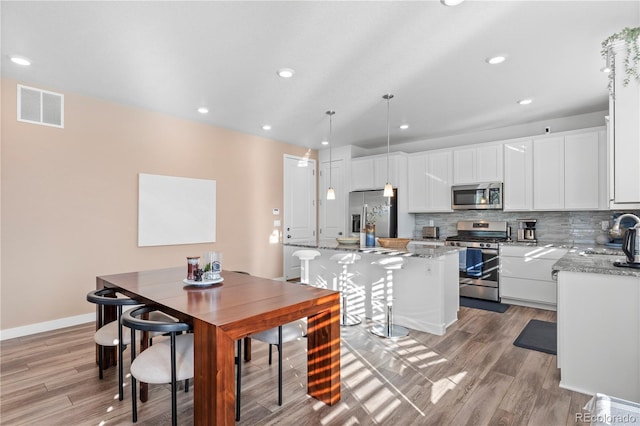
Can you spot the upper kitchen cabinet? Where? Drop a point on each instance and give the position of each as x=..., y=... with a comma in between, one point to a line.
x=477, y=164
x=518, y=176
x=429, y=182
x=584, y=169
x=548, y=173
x=569, y=171
x=624, y=141
x=371, y=172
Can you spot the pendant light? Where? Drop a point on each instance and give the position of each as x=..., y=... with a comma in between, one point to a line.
x=388, y=188
x=331, y=194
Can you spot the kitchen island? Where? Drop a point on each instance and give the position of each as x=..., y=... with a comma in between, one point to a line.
x=598, y=324
x=425, y=290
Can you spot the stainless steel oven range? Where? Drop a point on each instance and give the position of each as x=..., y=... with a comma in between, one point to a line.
x=479, y=262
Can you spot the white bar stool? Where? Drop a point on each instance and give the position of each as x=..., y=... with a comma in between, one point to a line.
x=388, y=329
x=346, y=259
x=305, y=256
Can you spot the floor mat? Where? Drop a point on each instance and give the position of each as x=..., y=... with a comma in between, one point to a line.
x=539, y=336
x=486, y=305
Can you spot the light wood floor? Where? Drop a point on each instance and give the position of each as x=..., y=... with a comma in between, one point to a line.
x=471, y=376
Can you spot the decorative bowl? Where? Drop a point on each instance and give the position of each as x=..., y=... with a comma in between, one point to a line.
x=348, y=240
x=393, y=242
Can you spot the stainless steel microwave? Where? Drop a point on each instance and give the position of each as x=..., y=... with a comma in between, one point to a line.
x=481, y=196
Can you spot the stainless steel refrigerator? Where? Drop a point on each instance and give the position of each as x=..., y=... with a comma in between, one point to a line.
x=363, y=203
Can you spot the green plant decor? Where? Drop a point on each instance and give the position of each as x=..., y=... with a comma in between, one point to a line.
x=631, y=55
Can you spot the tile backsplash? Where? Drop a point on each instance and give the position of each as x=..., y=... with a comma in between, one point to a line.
x=578, y=227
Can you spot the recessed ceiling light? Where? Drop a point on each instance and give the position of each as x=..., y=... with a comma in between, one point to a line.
x=325, y=142
x=20, y=60
x=404, y=126
x=451, y=2
x=286, y=72
x=495, y=60
x=203, y=110
x=525, y=101
x=266, y=127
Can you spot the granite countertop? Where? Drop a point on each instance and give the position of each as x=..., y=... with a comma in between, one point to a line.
x=593, y=261
x=581, y=257
x=589, y=248
x=410, y=251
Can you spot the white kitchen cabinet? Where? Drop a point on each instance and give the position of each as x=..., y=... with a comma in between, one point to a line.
x=478, y=164
x=568, y=172
x=548, y=173
x=599, y=334
x=525, y=275
x=518, y=176
x=429, y=182
x=371, y=172
x=362, y=174
x=624, y=144
x=582, y=171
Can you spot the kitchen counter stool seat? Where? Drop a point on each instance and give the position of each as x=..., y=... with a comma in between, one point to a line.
x=346, y=290
x=305, y=256
x=389, y=329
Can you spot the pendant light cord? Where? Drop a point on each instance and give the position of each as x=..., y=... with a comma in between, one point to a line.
x=330, y=131
x=388, y=98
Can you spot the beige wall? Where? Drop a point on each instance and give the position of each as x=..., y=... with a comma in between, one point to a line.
x=69, y=200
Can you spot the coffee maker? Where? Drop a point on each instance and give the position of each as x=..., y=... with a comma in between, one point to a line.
x=527, y=230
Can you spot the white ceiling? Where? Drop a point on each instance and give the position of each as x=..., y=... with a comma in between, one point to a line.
x=174, y=57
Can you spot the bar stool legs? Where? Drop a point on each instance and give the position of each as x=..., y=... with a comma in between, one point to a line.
x=346, y=259
x=389, y=330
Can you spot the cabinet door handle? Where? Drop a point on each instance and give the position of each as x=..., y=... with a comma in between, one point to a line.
x=288, y=236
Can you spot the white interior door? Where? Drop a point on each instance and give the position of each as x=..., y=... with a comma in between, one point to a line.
x=299, y=207
x=332, y=212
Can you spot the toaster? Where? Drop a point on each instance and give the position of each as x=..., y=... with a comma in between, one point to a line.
x=430, y=232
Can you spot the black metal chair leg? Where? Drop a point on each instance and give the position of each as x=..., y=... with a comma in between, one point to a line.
x=238, y=379
x=120, y=357
x=174, y=385
x=100, y=362
x=280, y=365
x=134, y=401
x=186, y=385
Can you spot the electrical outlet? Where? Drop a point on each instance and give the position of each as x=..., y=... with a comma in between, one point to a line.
x=604, y=225
x=276, y=222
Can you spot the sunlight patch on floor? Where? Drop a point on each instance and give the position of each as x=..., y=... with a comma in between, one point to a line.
x=440, y=388
x=335, y=411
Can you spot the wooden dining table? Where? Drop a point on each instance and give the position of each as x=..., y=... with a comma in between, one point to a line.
x=236, y=308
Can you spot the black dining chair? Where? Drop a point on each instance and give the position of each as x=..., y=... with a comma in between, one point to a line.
x=110, y=334
x=168, y=361
x=276, y=336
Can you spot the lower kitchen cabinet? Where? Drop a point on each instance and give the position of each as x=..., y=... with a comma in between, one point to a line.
x=525, y=275
x=599, y=334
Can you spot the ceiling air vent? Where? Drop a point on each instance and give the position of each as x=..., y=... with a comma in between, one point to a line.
x=40, y=106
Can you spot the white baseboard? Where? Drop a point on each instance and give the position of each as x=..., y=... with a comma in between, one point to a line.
x=46, y=326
